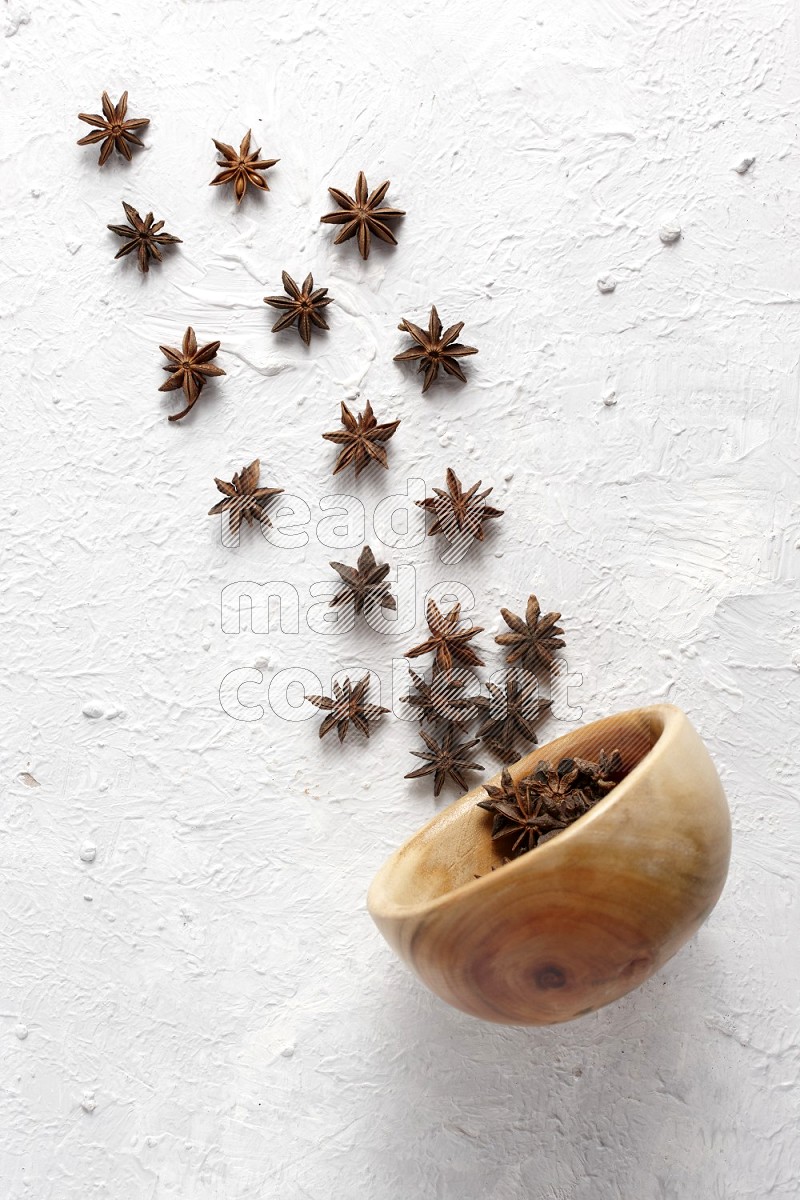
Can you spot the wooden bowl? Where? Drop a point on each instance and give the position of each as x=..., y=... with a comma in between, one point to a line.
x=584, y=918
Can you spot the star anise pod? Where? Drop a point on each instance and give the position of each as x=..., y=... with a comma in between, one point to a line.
x=244, y=499
x=241, y=168
x=144, y=236
x=435, y=349
x=364, y=584
x=561, y=787
x=303, y=306
x=361, y=438
x=458, y=513
x=602, y=776
x=362, y=215
x=112, y=129
x=446, y=758
x=189, y=368
x=522, y=812
x=447, y=641
x=533, y=640
x=348, y=704
x=441, y=699
x=510, y=713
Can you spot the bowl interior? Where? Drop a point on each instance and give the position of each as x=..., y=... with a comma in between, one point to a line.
x=455, y=849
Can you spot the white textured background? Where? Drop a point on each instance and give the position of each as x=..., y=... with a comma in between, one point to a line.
x=210, y=1014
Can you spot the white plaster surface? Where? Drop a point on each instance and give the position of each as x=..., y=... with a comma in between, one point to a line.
x=194, y=1004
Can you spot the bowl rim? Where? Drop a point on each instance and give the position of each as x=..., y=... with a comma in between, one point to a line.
x=383, y=907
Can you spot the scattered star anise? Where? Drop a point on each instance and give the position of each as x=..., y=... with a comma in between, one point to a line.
x=447, y=642
x=241, y=168
x=446, y=758
x=244, y=499
x=189, y=368
x=361, y=438
x=349, y=703
x=458, y=514
x=112, y=129
x=144, y=236
x=540, y=805
x=533, y=640
x=435, y=349
x=364, y=584
x=303, y=306
x=519, y=811
x=441, y=699
x=509, y=713
x=362, y=215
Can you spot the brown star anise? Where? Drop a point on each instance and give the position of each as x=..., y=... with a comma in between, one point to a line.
x=510, y=712
x=603, y=775
x=364, y=584
x=112, y=129
x=459, y=514
x=244, y=499
x=303, y=306
x=144, y=236
x=522, y=812
x=189, y=368
x=241, y=168
x=560, y=787
x=361, y=438
x=349, y=703
x=533, y=640
x=448, y=642
x=441, y=699
x=446, y=758
x=435, y=349
x=362, y=215
x=540, y=805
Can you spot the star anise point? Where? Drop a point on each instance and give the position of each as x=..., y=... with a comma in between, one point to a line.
x=189, y=369
x=445, y=759
x=361, y=439
x=449, y=643
x=244, y=499
x=113, y=129
x=362, y=216
x=435, y=348
x=302, y=306
x=144, y=236
x=365, y=584
x=241, y=167
x=348, y=705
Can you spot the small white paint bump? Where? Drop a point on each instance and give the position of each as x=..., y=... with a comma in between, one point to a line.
x=744, y=166
x=670, y=232
x=88, y=852
x=606, y=284
x=287, y=1052
x=88, y=1103
x=92, y=710
x=21, y=1031
x=609, y=397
